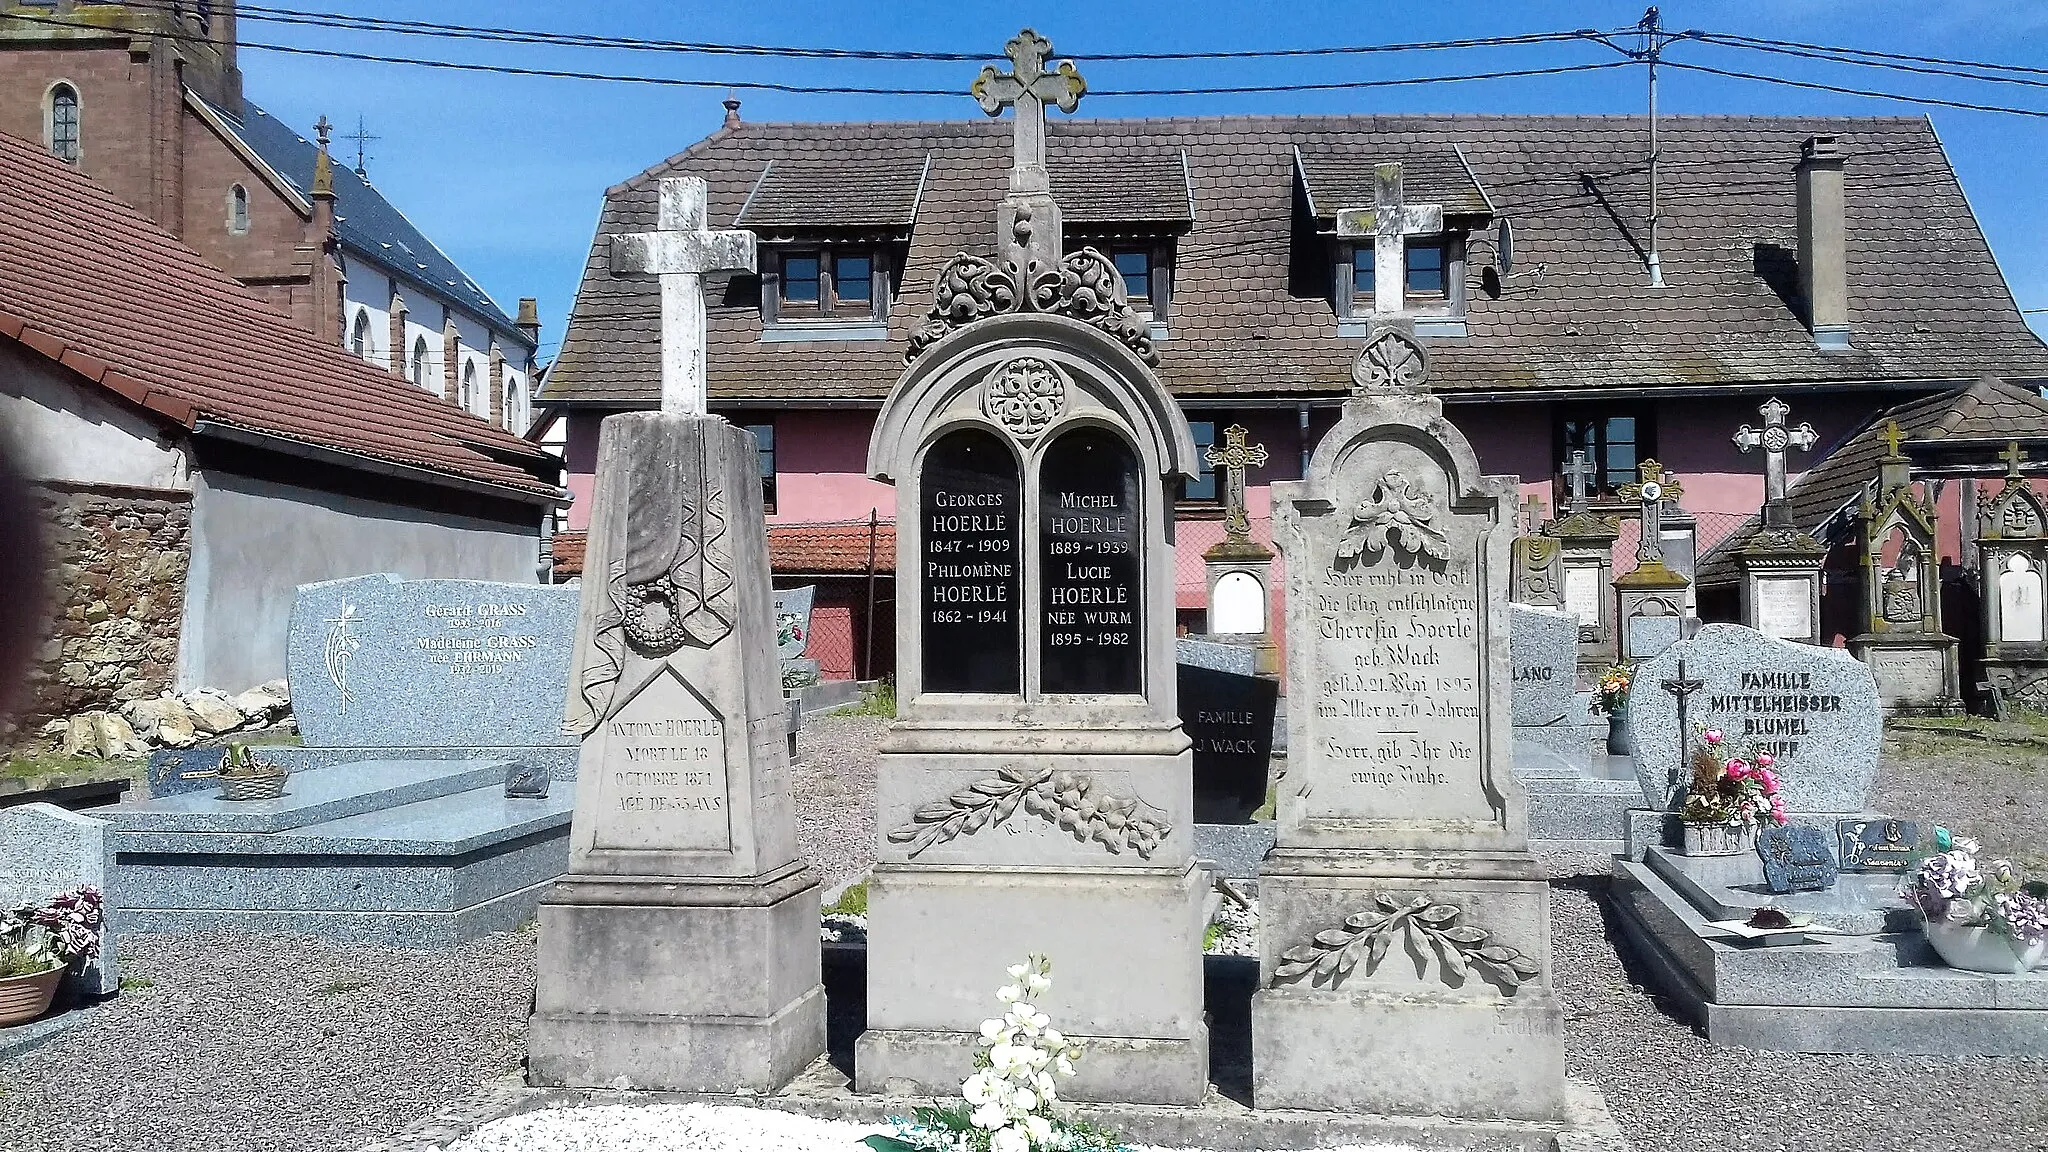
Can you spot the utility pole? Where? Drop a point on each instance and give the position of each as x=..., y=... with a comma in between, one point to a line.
x=1653, y=47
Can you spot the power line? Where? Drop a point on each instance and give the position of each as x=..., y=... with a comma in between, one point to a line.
x=1757, y=40
x=1820, y=87
x=1833, y=56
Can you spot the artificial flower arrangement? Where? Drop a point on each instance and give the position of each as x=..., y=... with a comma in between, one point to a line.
x=1731, y=785
x=65, y=931
x=1010, y=1103
x=1611, y=696
x=1953, y=890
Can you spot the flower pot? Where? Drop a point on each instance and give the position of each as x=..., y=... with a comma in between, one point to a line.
x=24, y=998
x=1730, y=839
x=1975, y=948
x=266, y=783
x=1621, y=735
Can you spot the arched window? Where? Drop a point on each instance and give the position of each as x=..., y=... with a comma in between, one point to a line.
x=63, y=123
x=419, y=362
x=238, y=210
x=469, y=387
x=515, y=405
x=359, y=336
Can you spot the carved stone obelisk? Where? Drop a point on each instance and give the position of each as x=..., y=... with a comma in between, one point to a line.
x=681, y=951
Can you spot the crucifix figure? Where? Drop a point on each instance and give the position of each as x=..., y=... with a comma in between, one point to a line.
x=1234, y=457
x=1578, y=475
x=1681, y=687
x=1775, y=438
x=1029, y=89
x=681, y=250
x=1654, y=488
x=1390, y=221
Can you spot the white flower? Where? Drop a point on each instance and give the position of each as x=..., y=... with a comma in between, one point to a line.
x=1003, y=1057
x=1063, y=1065
x=1009, y=993
x=1023, y=1099
x=989, y=1116
x=979, y=1089
x=1053, y=1039
x=1039, y=1129
x=1019, y=971
x=991, y=1030
x=1046, y=1090
x=1962, y=843
x=1035, y=1019
x=1037, y=983
x=1009, y=1140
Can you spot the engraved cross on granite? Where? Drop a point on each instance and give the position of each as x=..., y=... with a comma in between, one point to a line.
x=1654, y=487
x=681, y=250
x=1029, y=88
x=1775, y=438
x=1234, y=457
x=1390, y=221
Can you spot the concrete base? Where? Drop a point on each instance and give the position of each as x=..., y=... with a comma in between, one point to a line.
x=678, y=984
x=1147, y=1040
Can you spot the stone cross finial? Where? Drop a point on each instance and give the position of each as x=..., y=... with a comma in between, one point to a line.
x=681, y=250
x=1234, y=457
x=1390, y=221
x=1532, y=512
x=1892, y=438
x=1578, y=476
x=1029, y=88
x=1775, y=438
x=1654, y=488
x=2013, y=458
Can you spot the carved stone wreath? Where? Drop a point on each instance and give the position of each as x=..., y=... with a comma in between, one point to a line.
x=1366, y=938
x=1068, y=799
x=1398, y=515
x=1085, y=286
x=1024, y=395
x=1391, y=361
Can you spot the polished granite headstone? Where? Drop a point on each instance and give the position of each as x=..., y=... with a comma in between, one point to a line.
x=1796, y=859
x=1089, y=541
x=1230, y=719
x=971, y=512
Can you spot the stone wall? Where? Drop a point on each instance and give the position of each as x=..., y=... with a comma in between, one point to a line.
x=117, y=558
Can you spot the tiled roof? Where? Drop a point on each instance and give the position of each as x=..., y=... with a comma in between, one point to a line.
x=1927, y=301
x=367, y=224
x=1988, y=412
x=1132, y=185
x=830, y=549
x=1342, y=176
x=835, y=187
x=568, y=549
x=88, y=282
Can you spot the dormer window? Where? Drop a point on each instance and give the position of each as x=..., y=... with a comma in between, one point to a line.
x=1135, y=266
x=824, y=292
x=1430, y=286
x=1143, y=263
x=1427, y=266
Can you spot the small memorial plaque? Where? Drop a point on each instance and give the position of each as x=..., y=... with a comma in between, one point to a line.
x=1877, y=845
x=1582, y=591
x=1796, y=859
x=1230, y=720
x=971, y=510
x=1784, y=608
x=1089, y=542
x=525, y=782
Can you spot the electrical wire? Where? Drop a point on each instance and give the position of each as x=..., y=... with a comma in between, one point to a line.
x=1817, y=86
x=1898, y=56
x=1837, y=58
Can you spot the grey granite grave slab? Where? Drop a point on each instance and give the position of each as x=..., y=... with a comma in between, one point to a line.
x=1543, y=648
x=1234, y=849
x=311, y=797
x=1731, y=887
x=380, y=662
x=1815, y=709
x=169, y=776
x=46, y=850
x=1233, y=658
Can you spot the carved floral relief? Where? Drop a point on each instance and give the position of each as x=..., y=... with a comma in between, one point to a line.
x=1422, y=926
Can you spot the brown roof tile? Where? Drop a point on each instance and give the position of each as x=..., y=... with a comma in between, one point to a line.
x=831, y=549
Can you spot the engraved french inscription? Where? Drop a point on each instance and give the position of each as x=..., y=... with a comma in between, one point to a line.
x=662, y=772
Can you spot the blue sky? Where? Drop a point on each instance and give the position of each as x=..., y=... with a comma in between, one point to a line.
x=507, y=173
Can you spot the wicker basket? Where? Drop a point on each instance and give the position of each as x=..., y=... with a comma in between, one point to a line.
x=267, y=784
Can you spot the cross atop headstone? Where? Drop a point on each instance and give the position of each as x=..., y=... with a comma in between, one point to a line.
x=1654, y=488
x=1234, y=457
x=1681, y=687
x=1029, y=88
x=1775, y=438
x=681, y=250
x=1578, y=476
x=1390, y=221
x=2013, y=458
x=1893, y=437
x=1532, y=512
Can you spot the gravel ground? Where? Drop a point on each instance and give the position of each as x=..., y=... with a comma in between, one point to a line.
x=248, y=1044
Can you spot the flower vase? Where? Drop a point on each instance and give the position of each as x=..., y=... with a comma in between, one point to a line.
x=1731, y=838
x=24, y=998
x=1976, y=948
x=1621, y=735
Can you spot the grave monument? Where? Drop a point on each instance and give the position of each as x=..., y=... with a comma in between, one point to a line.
x=1902, y=641
x=1240, y=569
x=1034, y=792
x=1652, y=602
x=2012, y=546
x=1405, y=926
x=681, y=951
x=1780, y=565
x=1586, y=542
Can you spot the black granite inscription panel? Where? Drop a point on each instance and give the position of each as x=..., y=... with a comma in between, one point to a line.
x=1090, y=539
x=970, y=513
x=1230, y=720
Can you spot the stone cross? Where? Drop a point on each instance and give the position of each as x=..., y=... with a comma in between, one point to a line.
x=1390, y=221
x=681, y=250
x=1654, y=488
x=1775, y=438
x=1892, y=436
x=1234, y=457
x=1532, y=512
x=2013, y=458
x=1029, y=88
x=1578, y=476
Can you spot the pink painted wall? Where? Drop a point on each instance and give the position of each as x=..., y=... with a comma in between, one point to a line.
x=821, y=460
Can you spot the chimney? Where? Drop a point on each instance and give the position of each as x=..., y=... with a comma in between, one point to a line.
x=528, y=322
x=732, y=111
x=1823, y=255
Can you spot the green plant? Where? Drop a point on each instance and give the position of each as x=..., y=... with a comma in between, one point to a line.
x=1212, y=937
x=338, y=987
x=877, y=699
x=136, y=983
x=25, y=960
x=852, y=902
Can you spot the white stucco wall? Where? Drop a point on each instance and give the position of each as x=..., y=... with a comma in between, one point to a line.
x=73, y=432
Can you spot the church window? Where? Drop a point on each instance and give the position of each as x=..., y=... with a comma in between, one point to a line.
x=514, y=401
x=238, y=210
x=419, y=361
x=1615, y=439
x=359, y=335
x=63, y=123
x=469, y=387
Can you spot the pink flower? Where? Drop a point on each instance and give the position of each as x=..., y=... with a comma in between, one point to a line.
x=1777, y=810
x=1712, y=736
x=1737, y=768
x=1770, y=781
x=1766, y=760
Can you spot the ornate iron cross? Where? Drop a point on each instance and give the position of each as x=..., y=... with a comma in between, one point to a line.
x=1028, y=89
x=1652, y=490
x=1681, y=687
x=1234, y=457
x=1775, y=438
x=681, y=250
x=1578, y=476
x=1390, y=221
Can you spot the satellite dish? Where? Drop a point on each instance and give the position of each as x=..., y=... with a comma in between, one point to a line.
x=1504, y=247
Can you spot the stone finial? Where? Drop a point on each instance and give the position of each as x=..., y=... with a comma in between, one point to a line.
x=323, y=164
x=732, y=111
x=1028, y=88
x=1391, y=361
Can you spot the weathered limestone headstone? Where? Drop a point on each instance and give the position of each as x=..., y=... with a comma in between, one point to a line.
x=1034, y=792
x=1781, y=564
x=1587, y=541
x=1405, y=926
x=1652, y=602
x=681, y=951
x=1239, y=569
x=1903, y=642
x=2012, y=546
